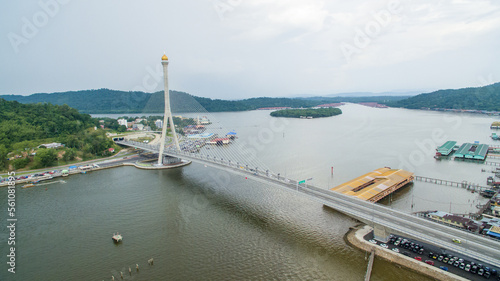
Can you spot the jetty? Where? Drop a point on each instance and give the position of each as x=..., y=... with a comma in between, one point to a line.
x=463, y=184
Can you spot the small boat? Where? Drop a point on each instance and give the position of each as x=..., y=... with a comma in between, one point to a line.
x=117, y=237
x=28, y=185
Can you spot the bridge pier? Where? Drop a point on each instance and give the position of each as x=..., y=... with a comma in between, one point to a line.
x=169, y=160
x=381, y=233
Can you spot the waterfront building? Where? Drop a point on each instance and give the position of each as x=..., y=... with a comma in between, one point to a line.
x=376, y=185
x=455, y=220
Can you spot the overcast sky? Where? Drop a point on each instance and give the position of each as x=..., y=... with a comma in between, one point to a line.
x=236, y=49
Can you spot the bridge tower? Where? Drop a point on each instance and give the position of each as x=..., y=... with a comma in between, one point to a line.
x=168, y=114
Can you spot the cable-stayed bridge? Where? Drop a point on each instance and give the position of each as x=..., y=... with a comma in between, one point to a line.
x=384, y=220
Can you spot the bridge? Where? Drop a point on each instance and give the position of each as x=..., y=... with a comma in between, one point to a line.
x=384, y=220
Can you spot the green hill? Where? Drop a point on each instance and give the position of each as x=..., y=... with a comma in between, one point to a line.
x=112, y=101
x=21, y=122
x=485, y=98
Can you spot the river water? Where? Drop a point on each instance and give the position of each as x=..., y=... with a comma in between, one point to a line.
x=202, y=224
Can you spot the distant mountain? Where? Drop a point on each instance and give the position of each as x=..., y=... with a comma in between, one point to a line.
x=113, y=101
x=364, y=94
x=480, y=98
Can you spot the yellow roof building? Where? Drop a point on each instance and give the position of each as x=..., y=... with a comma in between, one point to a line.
x=375, y=185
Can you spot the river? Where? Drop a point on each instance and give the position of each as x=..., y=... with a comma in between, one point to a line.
x=202, y=224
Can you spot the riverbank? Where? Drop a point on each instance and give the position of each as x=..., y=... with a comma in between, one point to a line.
x=354, y=237
x=140, y=163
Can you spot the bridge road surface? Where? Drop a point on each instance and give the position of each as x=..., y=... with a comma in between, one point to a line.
x=474, y=246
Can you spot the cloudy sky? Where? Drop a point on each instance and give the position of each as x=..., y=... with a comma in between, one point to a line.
x=236, y=49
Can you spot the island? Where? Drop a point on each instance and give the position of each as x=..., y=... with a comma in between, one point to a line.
x=307, y=113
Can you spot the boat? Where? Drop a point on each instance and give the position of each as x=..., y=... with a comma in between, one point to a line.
x=28, y=185
x=117, y=238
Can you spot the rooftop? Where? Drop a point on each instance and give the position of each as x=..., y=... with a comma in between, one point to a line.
x=375, y=185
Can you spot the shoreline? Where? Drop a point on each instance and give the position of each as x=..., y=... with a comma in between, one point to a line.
x=354, y=238
x=135, y=164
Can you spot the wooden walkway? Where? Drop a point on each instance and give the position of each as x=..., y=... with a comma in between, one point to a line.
x=464, y=184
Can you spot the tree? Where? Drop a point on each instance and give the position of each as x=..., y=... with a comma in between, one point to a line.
x=20, y=163
x=46, y=157
x=69, y=154
x=3, y=157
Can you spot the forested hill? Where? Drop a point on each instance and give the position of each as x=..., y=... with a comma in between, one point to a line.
x=21, y=122
x=481, y=98
x=112, y=101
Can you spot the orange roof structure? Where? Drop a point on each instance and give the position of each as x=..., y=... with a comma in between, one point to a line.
x=375, y=185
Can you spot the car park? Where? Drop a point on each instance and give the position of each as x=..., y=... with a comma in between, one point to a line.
x=473, y=269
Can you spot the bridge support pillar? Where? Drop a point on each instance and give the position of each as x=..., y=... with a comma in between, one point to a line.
x=381, y=233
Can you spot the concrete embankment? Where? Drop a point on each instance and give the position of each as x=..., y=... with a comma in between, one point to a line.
x=137, y=164
x=354, y=237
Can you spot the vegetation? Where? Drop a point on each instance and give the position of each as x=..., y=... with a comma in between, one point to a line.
x=482, y=98
x=308, y=112
x=111, y=101
x=25, y=127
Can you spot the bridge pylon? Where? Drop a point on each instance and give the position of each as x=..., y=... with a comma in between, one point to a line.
x=168, y=114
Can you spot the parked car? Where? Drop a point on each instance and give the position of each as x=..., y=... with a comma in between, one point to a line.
x=440, y=258
x=462, y=265
x=395, y=250
x=418, y=258
x=430, y=254
x=444, y=268
x=429, y=262
x=372, y=241
x=473, y=269
x=467, y=267
x=384, y=246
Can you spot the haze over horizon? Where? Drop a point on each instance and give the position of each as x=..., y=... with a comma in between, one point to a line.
x=234, y=49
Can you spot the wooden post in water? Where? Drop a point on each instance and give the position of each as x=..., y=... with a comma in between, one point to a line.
x=370, y=266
